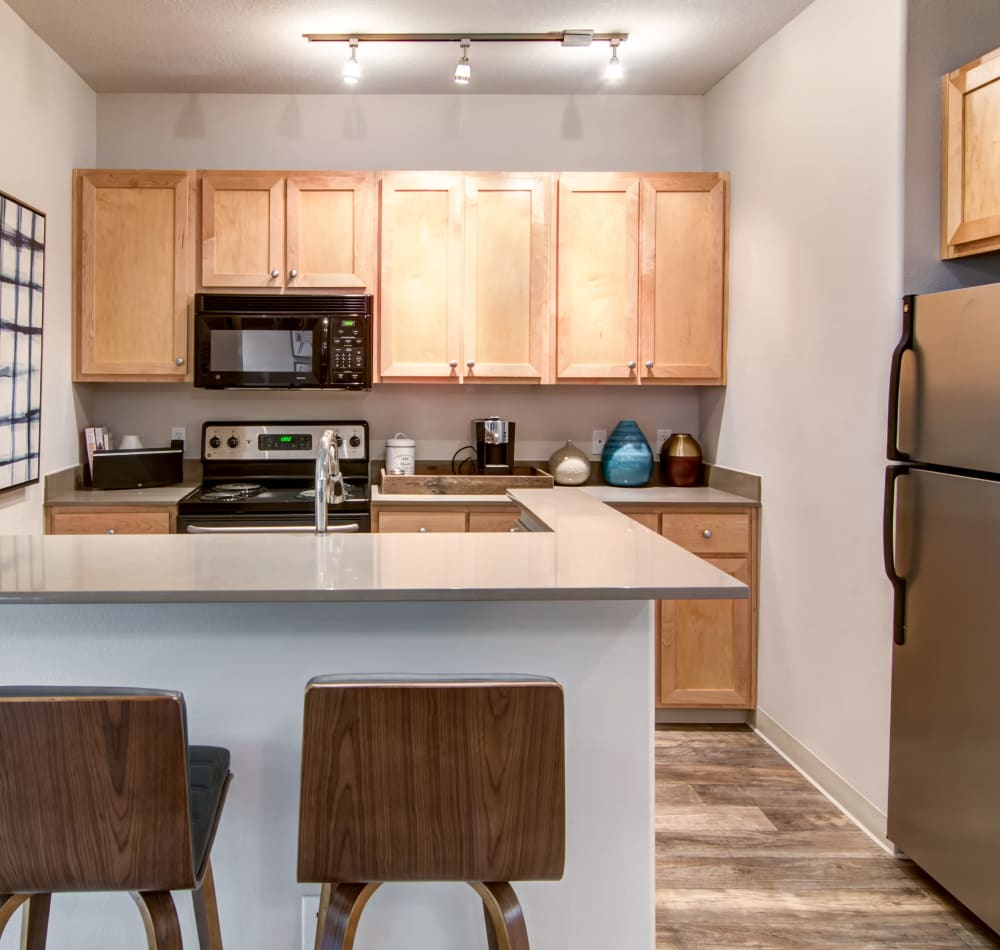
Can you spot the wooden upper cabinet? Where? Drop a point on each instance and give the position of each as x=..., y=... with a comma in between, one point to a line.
x=970, y=159
x=682, y=279
x=509, y=294
x=287, y=230
x=133, y=275
x=598, y=264
x=421, y=276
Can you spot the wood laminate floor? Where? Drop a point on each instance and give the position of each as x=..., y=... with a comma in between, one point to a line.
x=750, y=855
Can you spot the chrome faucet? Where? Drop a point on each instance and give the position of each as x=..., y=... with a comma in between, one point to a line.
x=329, y=481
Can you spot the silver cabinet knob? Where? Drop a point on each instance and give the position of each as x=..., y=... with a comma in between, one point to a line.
x=293, y=273
x=422, y=530
x=276, y=273
x=631, y=364
x=649, y=364
x=470, y=363
x=707, y=533
x=179, y=361
x=110, y=531
x=453, y=363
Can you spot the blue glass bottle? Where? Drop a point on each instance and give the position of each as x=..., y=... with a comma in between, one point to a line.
x=627, y=459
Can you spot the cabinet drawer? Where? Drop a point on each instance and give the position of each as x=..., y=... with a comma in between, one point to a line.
x=648, y=519
x=709, y=532
x=396, y=521
x=109, y=522
x=496, y=520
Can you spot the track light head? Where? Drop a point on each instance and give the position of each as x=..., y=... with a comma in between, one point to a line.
x=463, y=71
x=351, y=72
x=613, y=71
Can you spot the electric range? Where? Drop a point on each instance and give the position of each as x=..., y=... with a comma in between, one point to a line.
x=260, y=477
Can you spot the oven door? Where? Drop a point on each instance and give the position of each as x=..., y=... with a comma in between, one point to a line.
x=340, y=523
x=261, y=351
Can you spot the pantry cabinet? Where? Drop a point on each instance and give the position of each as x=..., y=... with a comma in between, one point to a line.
x=132, y=275
x=706, y=650
x=466, y=290
x=284, y=230
x=642, y=278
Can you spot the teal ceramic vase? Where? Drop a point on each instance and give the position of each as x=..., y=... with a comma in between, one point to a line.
x=627, y=459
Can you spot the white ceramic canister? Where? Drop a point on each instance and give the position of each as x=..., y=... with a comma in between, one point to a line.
x=400, y=454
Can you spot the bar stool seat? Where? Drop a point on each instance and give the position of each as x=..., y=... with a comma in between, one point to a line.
x=100, y=791
x=431, y=778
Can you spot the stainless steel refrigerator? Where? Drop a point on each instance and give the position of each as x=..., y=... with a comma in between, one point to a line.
x=942, y=554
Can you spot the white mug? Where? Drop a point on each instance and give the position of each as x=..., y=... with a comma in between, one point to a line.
x=130, y=442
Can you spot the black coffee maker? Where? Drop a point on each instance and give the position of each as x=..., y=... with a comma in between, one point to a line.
x=494, y=440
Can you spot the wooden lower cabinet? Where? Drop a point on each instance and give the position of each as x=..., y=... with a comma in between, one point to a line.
x=116, y=519
x=706, y=651
x=444, y=516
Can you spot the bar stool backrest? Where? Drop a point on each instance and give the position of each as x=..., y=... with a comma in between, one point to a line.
x=447, y=779
x=93, y=790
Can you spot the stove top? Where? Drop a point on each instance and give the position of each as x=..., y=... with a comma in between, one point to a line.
x=294, y=495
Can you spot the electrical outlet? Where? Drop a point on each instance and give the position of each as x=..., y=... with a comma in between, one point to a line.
x=661, y=436
x=310, y=913
x=599, y=438
x=178, y=433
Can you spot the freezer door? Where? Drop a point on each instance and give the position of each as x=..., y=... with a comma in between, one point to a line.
x=946, y=381
x=944, y=761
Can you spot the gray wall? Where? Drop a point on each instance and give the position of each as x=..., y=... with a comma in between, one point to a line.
x=941, y=36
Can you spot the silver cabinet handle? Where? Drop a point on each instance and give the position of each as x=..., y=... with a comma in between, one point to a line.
x=293, y=273
x=179, y=361
x=453, y=363
x=707, y=533
x=276, y=273
x=631, y=364
x=422, y=530
x=470, y=363
x=649, y=364
x=110, y=531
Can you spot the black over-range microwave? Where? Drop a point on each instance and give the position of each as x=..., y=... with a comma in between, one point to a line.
x=245, y=341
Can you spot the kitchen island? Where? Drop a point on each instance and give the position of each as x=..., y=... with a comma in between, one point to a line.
x=239, y=624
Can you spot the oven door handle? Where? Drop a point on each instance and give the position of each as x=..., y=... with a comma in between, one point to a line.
x=352, y=528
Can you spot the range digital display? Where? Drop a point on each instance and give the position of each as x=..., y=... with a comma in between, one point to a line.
x=298, y=441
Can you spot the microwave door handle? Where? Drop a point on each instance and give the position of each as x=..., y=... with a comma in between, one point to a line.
x=895, y=378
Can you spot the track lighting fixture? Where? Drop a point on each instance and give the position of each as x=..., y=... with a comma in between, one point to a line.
x=463, y=71
x=352, y=68
x=613, y=70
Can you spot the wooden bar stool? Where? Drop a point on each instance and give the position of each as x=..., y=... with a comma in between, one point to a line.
x=100, y=791
x=431, y=778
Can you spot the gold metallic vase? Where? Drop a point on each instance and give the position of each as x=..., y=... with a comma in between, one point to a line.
x=681, y=461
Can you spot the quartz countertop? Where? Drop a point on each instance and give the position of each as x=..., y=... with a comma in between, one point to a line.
x=93, y=497
x=653, y=495
x=591, y=552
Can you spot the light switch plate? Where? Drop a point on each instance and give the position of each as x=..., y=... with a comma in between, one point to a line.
x=310, y=911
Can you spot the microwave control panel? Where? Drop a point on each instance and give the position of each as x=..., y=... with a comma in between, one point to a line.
x=348, y=350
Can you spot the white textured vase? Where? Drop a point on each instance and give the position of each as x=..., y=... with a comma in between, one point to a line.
x=569, y=466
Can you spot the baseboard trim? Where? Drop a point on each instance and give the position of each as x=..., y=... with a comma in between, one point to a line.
x=840, y=792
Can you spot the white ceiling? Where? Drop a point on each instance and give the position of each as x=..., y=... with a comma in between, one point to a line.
x=256, y=46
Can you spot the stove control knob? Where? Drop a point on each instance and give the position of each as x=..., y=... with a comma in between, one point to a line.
x=215, y=442
x=233, y=442
x=355, y=441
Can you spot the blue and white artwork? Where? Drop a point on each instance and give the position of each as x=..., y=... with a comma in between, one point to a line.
x=22, y=282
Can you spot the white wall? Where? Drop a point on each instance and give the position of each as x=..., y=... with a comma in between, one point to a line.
x=811, y=127
x=544, y=133
x=49, y=126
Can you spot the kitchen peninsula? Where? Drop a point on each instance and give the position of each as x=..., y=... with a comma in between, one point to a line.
x=240, y=623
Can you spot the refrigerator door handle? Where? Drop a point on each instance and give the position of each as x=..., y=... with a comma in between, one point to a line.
x=893, y=472
x=895, y=372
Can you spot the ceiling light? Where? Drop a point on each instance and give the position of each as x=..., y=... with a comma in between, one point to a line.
x=613, y=70
x=352, y=68
x=463, y=71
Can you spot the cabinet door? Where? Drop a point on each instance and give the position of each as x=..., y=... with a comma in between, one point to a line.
x=242, y=229
x=508, y=293
x=970, y=167
x=421, y=277
x=330, y=230
x=706, y=648
x=133, y=275
x=421, y=521
x=682, y=289
x=598, y=284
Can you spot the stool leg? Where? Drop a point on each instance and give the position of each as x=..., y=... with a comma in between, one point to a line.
x=9, y=904
x=505, y=927
x=340, y=924
x=206, y=912
x=35, y=930
x=163, y=930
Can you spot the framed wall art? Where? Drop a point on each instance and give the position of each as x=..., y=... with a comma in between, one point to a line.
x=22, y=289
